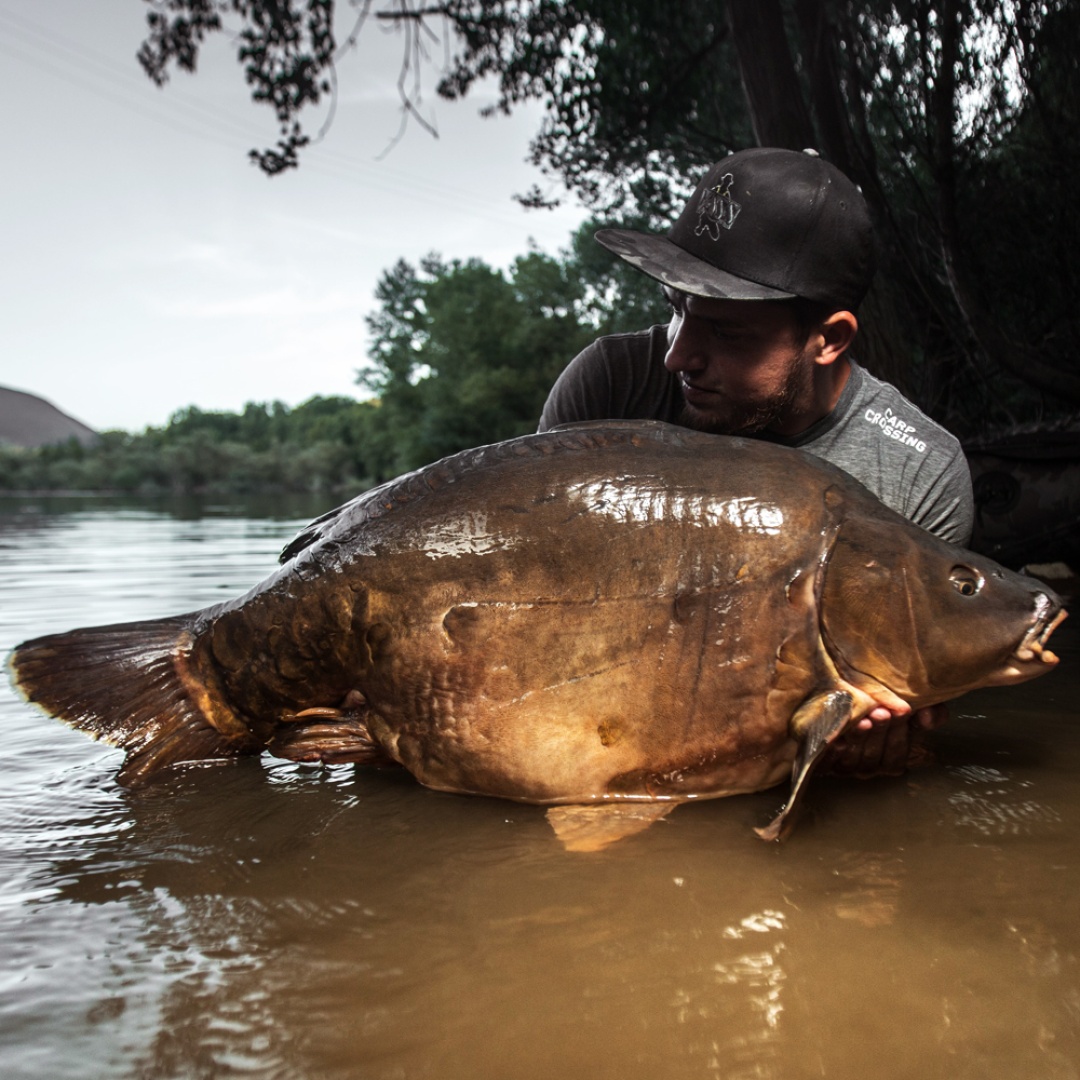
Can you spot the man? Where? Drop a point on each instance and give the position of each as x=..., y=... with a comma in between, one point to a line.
x=764, y=270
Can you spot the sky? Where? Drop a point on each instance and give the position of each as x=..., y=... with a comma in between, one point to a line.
x=149, y=266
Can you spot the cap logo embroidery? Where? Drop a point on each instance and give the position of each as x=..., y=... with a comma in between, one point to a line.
x=716, y=208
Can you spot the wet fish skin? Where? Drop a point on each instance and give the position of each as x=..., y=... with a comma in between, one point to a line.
x=612, y=612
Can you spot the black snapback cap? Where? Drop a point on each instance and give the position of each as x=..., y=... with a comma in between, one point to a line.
x=763, y=224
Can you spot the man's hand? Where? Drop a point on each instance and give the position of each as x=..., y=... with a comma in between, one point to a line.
x=881, y=743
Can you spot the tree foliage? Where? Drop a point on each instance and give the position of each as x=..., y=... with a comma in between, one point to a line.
x=463, y=354
x=286, y=48
x=315, y=447
x=957, y=118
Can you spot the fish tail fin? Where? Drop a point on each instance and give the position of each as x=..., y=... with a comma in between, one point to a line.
x=136, y=686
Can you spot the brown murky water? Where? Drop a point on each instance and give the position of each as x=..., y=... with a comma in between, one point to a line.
x=271, y=920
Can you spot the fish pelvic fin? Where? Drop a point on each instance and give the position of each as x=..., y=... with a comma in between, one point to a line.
x=138, y=686
x=816, y=725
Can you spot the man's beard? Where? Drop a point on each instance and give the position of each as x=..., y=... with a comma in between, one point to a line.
x=747, y=419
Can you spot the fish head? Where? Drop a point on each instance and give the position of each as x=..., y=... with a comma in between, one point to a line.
x=927, y=619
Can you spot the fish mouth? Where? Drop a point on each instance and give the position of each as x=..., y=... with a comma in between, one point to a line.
x=1047, y=620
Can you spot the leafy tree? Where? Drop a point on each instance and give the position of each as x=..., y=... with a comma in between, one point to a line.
x=463, y=354
x=943, y=111
x=610, y=295
x=287, y=49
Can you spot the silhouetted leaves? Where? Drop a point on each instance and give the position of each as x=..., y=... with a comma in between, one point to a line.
x=286, y=48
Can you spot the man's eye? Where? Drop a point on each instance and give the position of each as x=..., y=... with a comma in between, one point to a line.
x=727, y=333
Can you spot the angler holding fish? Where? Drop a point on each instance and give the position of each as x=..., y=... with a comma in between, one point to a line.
x=765, y=270
x=624, y=614
x=609, y=619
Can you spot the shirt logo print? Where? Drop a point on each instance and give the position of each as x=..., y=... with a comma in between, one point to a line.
x=892, y=427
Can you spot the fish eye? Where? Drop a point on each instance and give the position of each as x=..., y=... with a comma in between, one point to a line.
x=965, y=581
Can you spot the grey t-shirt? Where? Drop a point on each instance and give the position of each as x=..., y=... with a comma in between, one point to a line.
x=911, y=463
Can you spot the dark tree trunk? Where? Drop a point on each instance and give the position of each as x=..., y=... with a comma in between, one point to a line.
x=780, y=117
x=777, y=110
x=817, y=38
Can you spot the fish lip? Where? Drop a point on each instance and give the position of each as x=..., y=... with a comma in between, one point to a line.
x=1047, y=620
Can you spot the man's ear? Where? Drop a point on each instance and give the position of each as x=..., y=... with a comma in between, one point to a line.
x=834, y=335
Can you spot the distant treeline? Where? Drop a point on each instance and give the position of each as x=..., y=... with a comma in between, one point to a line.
x=461, y=354
x=313, y=447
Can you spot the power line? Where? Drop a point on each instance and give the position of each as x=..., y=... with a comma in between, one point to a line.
x=88, y=69
x=75, y=63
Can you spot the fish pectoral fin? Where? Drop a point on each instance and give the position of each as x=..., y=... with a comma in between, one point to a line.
x=816, y=725
x=594, y=826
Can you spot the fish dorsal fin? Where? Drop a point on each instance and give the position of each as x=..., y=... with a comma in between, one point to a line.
x=595, y=826
x=339, y=524
x=816, y=725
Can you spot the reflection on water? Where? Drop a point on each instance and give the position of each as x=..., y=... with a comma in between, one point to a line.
x=275, y=920
x=17, y=510
x=995, y=803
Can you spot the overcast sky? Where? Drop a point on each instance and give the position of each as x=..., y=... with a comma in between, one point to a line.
x=148, y=266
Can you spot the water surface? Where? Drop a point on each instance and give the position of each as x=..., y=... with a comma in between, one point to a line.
x=265, y=919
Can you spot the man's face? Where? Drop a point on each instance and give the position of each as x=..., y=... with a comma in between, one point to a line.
x=744, y=365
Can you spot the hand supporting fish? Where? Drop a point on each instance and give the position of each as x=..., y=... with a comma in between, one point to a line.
x=883, y=743
x=609, y=620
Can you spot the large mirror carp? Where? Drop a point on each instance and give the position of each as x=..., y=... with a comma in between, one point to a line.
x=608, y=619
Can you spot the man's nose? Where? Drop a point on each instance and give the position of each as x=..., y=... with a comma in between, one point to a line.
x=684, y=347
